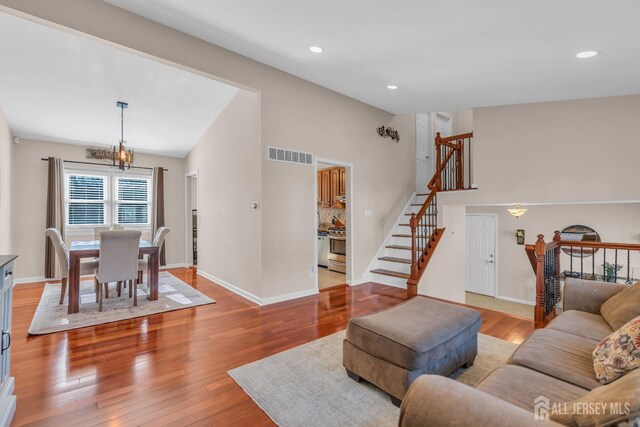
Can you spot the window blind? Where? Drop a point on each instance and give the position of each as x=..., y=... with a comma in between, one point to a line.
x=133, y=201
x=86, y=200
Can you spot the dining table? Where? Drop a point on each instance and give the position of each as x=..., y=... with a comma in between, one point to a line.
x=91, y=249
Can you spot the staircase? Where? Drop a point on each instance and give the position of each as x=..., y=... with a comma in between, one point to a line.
x=415, y=237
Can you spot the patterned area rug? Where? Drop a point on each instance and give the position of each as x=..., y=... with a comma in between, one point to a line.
x=308, y=386
x=50, y=316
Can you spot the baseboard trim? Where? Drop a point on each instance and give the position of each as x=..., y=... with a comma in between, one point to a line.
x=254, y=299
x=236, y=290
x=25, y=280
x=290, y=296
x=519, y=301
x=364, y=279
x=177, y=265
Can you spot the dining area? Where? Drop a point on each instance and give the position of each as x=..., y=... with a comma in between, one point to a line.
x=117, y=257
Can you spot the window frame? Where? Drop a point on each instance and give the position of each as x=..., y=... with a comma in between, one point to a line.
x=110, y=200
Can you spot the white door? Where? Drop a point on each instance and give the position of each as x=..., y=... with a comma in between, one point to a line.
x=481, y=251
x=443, y=124
x=425, y=162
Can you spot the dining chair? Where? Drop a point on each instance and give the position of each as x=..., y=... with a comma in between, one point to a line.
x=118, y=262
x=158, y=240
x=62, y=253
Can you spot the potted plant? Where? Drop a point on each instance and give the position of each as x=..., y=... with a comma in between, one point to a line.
x=611, y=271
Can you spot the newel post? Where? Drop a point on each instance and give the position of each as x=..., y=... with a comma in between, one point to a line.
x=412, y=283
x=539, y=315
x=438, y=162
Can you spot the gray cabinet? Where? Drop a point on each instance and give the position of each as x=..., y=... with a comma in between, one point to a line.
x=7, y=399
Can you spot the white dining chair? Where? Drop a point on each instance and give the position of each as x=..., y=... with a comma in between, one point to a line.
x=118, y=262
x=62, y=253
x=158, y=240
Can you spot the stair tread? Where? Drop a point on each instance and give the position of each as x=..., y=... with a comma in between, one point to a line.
x=394, y=259
x=391, y=273
x=409, y=235
x=408, y=248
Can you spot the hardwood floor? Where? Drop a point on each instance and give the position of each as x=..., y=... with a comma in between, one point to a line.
x=170, y=368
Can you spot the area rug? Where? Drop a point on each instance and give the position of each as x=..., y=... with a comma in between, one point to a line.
x=173, y=294
x=308, y=386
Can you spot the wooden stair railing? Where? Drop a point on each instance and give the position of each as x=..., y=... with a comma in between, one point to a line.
x=449, y=176
x=554, y=261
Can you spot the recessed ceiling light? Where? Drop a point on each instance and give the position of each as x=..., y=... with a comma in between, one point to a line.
x=587, y=54
x=316, y=49
x=392, y=87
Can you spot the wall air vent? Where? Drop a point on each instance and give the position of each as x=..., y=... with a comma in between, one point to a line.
x=289, y=156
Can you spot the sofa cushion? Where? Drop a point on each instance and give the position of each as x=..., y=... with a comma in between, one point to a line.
x=619, y=353
x=561, y=355
x=582, y=324
x=622, y=307
x=521, y=386
x=414, y=332
x=609, y=405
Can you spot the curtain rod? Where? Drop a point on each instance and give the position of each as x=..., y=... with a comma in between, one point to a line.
x=104, y=164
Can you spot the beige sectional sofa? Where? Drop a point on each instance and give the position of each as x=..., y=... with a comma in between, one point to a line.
x=554, y=362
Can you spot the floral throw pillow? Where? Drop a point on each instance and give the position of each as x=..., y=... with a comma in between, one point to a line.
x=619, y=353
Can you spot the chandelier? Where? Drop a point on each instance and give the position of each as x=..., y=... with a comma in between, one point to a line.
x=517, y=211
x=121, y=154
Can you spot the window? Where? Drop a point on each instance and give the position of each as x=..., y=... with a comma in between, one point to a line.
x=95, y=199
x=86, y=199
x=133, y=200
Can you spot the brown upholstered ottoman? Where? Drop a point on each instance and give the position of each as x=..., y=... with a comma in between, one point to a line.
x=391, y=348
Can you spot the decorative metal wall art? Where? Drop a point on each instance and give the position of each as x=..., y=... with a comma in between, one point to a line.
x=388, y=132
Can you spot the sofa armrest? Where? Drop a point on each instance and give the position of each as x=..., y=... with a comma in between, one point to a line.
x=439, y=401
x=588, y=295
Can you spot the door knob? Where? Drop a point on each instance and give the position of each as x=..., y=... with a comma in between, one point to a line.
x=490, y=261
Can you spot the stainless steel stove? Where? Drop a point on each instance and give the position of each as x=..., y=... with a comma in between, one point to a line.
x=337, y=249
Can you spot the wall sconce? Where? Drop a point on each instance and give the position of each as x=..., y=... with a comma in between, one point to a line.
x=388, y=132
x=517, y=211
x=520, y=237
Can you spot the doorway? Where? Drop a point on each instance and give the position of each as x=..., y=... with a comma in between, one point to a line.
x=481, y=254
x=444, y=124
x=333, y=226
x=425, y=160
x=192, y=216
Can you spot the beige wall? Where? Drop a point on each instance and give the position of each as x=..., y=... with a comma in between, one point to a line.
x=227, y=159
x=614, y=222
x=445, y=276
x=462, y=121
x=582, y=150
x=29, y=207
x=6, y=148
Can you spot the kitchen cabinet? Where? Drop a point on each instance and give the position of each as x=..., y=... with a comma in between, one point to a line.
x=335, y=185
x=325, y=190
x=331, y=185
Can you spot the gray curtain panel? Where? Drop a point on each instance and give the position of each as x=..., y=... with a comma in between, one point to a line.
x=157, y=207
x=55, y=212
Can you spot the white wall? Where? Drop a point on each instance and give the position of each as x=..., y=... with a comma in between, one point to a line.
x=6, y=148
x=445, y=276
x=29, y=207
x=614, y=222
x=227, y=159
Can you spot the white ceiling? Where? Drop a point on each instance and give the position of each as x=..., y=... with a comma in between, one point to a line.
x=444, y=55
x=56, y=86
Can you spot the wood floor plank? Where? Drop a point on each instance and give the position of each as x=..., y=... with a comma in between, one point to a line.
x=171, y=368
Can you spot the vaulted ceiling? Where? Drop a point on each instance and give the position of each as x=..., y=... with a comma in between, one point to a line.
x=442, y=55
x=55, y=86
